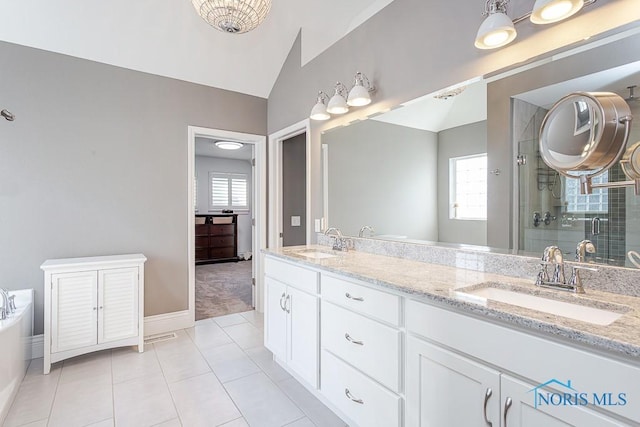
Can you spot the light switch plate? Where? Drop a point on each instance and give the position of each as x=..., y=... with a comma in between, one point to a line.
x=295, y=221
x=317, y=227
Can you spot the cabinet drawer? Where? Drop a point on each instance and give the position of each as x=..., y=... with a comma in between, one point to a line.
x=221, y=253
x=370, y=346
x=202, y=242
x=221, y=229
x=202, y=230
x=376, y=406
x=202, y=254
x=221, y=242
x=299, y=277
x=371, y=302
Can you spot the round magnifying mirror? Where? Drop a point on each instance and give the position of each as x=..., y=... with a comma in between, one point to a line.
x=585, y=133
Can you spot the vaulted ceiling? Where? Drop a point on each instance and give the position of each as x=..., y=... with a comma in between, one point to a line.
x=168, y=38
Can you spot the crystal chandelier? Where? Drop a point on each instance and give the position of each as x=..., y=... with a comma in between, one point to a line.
x=233, y=16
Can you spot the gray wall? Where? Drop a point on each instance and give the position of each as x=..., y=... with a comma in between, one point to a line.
x=456, y=142
x=417, y=54
x=204, y=165
x=384, y=176
x=294, y=189
x=96, y=163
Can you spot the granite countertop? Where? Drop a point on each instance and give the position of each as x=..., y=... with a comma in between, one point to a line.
x=448, y=286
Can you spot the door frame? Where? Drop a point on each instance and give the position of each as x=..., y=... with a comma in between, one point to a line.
x=259, y=209
x=275, y=196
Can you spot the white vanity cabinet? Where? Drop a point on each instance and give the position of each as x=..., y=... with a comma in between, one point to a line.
x=91, y=304
x=291, y=317
x=462, y=371
x=361, y=359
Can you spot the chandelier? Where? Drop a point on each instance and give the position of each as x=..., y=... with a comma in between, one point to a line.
x=233, y=16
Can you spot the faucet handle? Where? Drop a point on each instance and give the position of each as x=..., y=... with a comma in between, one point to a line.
x=575, y=279
x=12, y=303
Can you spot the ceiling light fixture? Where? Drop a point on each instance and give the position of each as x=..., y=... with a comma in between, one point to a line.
x=498, y=29
x=233, y=16
x=319, y=111
x=359, y=93
x=228, y=145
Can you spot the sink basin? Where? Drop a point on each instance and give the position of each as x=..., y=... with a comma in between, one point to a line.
x=312, y=253
x=584, y=313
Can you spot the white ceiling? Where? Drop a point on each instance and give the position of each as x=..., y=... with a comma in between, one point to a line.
x=433, y=114
x=206, y=147
x=168, y=38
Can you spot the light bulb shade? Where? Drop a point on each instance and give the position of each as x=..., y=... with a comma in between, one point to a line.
x=319, y=112
x=549, y=11
x=233, y=16
x=497, y=30
x=337, y=104
x=228, y=145
x=358, y=96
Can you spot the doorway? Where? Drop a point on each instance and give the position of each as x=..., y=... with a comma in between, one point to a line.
x=227, y=222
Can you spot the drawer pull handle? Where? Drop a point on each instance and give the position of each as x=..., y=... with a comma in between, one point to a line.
x=507, y=405
x=351, y=340
x=287, y=300
x=353, y=399
x=282, y=306
x=348, y=295
x=487, y=395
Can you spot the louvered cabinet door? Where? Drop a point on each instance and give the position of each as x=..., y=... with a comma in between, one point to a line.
x=117, y=304
x=74, y=310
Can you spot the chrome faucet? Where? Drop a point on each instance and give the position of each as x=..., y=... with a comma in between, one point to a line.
x=583, y=248
x=553, y=256
x=6, y=305
x=339, y=242
x=365, y=228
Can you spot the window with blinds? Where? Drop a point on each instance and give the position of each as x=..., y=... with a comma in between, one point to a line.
x=228, y=191
x=468, y=187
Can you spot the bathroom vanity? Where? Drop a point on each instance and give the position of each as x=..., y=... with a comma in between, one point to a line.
x=386, y=341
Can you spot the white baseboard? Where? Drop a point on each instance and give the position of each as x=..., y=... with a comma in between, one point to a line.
x=153, y=325
x=167, y=322
x=37, y=346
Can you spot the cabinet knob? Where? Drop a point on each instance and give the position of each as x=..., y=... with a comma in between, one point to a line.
x=95, y=308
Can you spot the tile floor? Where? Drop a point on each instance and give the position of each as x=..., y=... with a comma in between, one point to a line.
x=217, y=373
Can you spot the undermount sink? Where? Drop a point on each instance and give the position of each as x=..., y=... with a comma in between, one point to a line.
x=581, y=311
x=313, y=253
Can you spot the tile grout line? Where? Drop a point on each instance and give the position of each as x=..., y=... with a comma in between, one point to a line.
x=155, y=352
x=113, y=391
x=55, y=393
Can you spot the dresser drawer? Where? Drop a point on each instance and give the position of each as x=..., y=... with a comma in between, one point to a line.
x=202, y=254
x=370, y=346
x=202, y=230
x=221, y=253
x=299, y=277
x=202, y=242
x=221, y=229
x=374, y=303
x=222, y=241
x=361, y=399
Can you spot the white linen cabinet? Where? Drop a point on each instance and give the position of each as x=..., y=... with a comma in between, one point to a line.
x=92, y=304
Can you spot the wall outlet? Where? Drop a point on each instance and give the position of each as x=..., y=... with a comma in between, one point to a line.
x=317, y=227
x=295, y=221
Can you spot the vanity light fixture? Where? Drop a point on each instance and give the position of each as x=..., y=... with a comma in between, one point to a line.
x=498, y=29
x=319, y=111
x=228, y=145
x=359, y=93
x=338, y=102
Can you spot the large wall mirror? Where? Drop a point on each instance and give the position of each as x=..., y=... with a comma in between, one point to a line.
x=419, y=172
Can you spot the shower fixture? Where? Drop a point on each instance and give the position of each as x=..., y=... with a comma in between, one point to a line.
x=7, y=115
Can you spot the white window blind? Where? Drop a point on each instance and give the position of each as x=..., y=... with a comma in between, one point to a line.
x=228, y=191
x=468, y=187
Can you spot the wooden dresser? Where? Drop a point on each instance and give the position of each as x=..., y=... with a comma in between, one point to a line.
x=217, y=239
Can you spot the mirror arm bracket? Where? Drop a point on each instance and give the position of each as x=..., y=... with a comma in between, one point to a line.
x=586, y=186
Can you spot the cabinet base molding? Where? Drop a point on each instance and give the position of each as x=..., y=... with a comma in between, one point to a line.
x=37, y=346
x=167, y=322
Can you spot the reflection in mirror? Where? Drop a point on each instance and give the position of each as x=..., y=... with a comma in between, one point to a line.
x=551, y=206
x=416, y=173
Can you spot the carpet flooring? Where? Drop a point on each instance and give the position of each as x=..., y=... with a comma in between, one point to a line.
x=223, y=289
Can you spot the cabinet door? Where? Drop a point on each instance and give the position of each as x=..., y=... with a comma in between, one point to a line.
x=275, y=318
x=74, y=312
x=446, y=389
x=302, y=309
x=522, y=411
x=117, y=304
